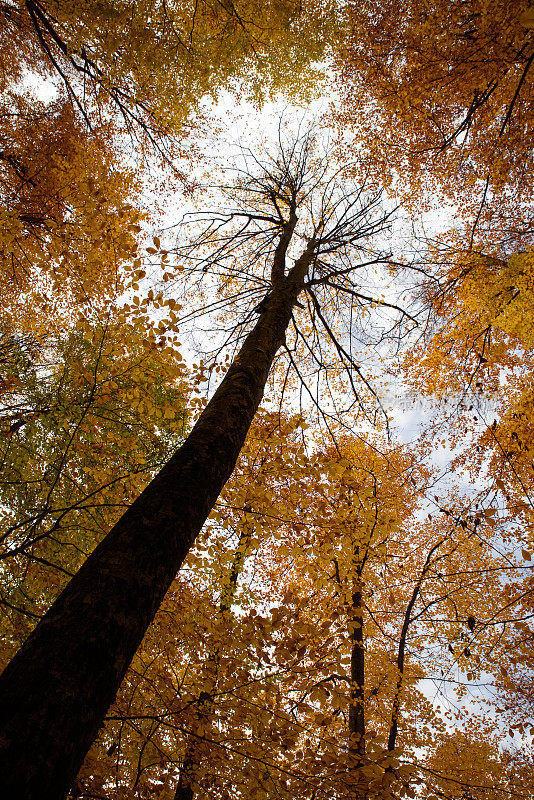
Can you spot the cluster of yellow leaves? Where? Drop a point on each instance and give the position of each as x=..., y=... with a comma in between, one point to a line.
x=472, y=759
x=81, y=433
x=482, y=349
x=68, y=227
x=261, y=620
x=441, y=97
x=152, y=63
x=507, y=297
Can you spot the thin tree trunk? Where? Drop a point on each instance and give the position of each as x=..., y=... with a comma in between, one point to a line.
x=55, y=692
x=396, y=706
x=357, y=682
x=357, y=687
x=185, y=789
x=193, y=756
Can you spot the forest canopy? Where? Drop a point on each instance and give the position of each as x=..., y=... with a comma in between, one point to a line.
x=266, y=405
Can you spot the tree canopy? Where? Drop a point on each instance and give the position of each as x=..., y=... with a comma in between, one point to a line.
x=227, y=570
x=447, y=93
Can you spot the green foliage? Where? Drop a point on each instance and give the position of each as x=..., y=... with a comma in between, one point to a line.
x=87, y=418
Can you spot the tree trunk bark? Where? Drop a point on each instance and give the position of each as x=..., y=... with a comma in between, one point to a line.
x=357, y=782
x=55, y=692
x=357, y=681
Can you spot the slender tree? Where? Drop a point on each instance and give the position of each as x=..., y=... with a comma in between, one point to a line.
x=193, y=756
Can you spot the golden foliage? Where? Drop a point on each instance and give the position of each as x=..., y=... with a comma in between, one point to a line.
x=442, y=98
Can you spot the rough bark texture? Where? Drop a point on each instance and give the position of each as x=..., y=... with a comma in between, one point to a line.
x=55, y=693
x=357, y=680
x=357, y=783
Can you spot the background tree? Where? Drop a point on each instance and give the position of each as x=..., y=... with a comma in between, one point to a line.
x=446, y=95
x=82, y=433
x=280, y=715
x=391, y=598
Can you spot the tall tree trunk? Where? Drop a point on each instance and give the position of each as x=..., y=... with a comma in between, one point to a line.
x=357, y=687
x=55, y=692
